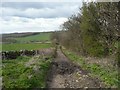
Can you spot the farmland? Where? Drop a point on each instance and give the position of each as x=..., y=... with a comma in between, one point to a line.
x=34, y=38
x=26, y=37
x=30, y=46
x=21, y=72
x=28, y=41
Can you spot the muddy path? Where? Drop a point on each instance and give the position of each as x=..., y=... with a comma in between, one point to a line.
x=65, y=74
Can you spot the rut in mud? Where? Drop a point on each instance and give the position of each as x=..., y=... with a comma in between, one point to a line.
x=65, y=74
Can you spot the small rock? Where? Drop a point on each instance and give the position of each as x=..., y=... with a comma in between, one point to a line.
x=77, y=81
x=85, y=87
x=78, y=74
x=84, y=75
x=79, y=78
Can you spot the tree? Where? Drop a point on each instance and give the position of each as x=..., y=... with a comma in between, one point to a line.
x=94, y=31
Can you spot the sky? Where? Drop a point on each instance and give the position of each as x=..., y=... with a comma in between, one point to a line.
x=35, y=16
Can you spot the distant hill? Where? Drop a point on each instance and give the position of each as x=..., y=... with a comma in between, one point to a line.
x=27, y=37
x=14, y=35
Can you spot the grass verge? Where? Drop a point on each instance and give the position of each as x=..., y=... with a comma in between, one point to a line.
x=107, y=75
x=25, y=72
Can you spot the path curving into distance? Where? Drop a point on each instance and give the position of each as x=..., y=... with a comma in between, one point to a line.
x=65, y=74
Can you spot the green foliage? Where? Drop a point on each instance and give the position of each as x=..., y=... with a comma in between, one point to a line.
x=30, y=46
x=109, y=76
x=93, y=31
x=12, y=69
x=17, y=75
x=117, y=55
x=95, y=49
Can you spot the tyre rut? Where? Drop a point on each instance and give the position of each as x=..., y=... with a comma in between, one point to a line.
x=65, y=74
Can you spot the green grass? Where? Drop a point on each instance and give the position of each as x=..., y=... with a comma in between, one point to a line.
x=34, y=38
x=109, y=76
x=11, y=71
x=17, y=75
x=30, y=46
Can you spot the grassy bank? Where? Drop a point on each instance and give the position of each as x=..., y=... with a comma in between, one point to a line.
x=108, y=74
x=25, y=72
x=30, y=46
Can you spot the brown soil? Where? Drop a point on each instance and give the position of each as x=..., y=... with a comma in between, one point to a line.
x=65, y=74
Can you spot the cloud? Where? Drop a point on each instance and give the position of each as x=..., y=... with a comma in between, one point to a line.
x=35, y=16
x=24, y=5
x=42, y=0
x=44, y=11
x=18, y=24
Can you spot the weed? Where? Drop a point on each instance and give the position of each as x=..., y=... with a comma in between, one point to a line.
x=109, y=76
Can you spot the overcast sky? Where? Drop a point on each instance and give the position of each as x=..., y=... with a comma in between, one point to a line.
x=35, y=16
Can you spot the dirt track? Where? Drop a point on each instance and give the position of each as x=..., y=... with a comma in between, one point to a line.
x=65, y=74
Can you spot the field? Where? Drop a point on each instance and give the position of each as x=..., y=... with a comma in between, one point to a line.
x=26, y=71
x=34, y=38
x=28, y=41
x=30, y=46
x=15, y=35
x=26, y=37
